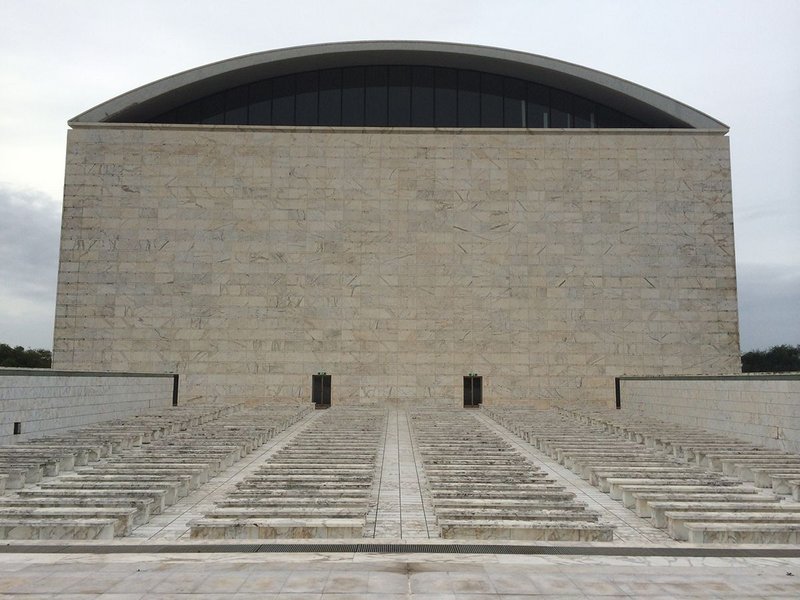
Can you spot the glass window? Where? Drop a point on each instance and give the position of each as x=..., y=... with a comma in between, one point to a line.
x=399, y=113
x=283, y=95
x=189, y=113
x=212, y=109
x=560, y=109
x=514, y=96
x=582, y=111
x=375, y=95
x=353, y=96
x=306, y=101
x=469, y=99
x=422, y=97
x=397, y=96
x=330, y=97
x=538, y=106
x=446, y=98
x=236, y=101
x=261, y=103
x=491, y=100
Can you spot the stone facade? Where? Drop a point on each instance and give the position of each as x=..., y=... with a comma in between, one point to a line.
x=249, y=258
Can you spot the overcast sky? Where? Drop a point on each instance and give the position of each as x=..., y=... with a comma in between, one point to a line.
x=738, y=61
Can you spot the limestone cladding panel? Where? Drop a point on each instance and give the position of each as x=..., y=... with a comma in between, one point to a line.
x=248, y=259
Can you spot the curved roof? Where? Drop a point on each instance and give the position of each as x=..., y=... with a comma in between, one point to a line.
x=629, y=98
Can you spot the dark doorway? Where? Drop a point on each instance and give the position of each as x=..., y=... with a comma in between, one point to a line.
x=473, y=391
x=321, y=390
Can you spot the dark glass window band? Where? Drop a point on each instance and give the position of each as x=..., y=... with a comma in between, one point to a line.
x=397, y=96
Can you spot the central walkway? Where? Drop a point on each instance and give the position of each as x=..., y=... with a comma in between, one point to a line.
x=401, y=511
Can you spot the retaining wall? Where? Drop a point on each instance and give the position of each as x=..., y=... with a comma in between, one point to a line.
x=764, y=409
x=42, y=401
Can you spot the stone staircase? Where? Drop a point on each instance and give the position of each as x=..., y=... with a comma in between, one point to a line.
x=318, y=486
x=100, y=482
x=484, y=489
x=697, y=486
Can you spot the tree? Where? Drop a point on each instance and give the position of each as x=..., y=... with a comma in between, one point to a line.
x=20, y=357
x=778, y=359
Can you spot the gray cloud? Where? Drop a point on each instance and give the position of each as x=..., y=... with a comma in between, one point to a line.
x=29, y=240
x=769, y=297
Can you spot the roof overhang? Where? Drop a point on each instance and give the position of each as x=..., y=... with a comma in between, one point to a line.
x=639, y=102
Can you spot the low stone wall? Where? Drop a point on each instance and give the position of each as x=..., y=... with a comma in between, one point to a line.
x=764, y=409
x=39, y=402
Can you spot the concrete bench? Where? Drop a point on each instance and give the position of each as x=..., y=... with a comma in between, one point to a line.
x=616, y=485
x=503, y=514
x=628, y=491
x=702, y=531
x=333, y=528
x=643, y=499
x=600, y=477
x=177, y=485
x=141, y=506
x=56, y=529
x=488, y=529
x=676, y=520
x=16, y=477
x=168, y=489
x=773, y=478
x=123, y=517
x=658, y=510
x=300, y=511
x=60, y=460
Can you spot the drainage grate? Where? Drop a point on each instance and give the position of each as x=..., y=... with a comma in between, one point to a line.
x=323, y=548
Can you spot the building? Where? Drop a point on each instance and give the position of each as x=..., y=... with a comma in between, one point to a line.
x=397, y=215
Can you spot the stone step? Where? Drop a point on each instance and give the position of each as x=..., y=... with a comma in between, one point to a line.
x=552, y=492
x=600, y=476
x=157, y=497
x=293, y=512
x=614, y=485
x=508, y=514
x=292, y=501
x=768, y=477
x=676, y=520
x=64, y=461
x=658, y=510
x=56, y=529
x=300, y=493
x=142, y=506
x=510, y=503
x=179, y=483
x=487, y=529
x=643, y=500
x=333, y=528
x=701, y=532
x=169, y=489
x=123, y=517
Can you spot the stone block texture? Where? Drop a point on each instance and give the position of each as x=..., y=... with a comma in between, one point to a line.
x=249, y=258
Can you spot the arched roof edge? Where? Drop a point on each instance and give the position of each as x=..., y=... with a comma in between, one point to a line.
x=602, y=87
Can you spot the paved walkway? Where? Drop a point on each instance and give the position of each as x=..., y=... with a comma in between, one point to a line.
x=379, y=577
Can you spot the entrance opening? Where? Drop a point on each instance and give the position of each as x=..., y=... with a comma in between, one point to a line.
x=473, y=390
x=321, y=390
